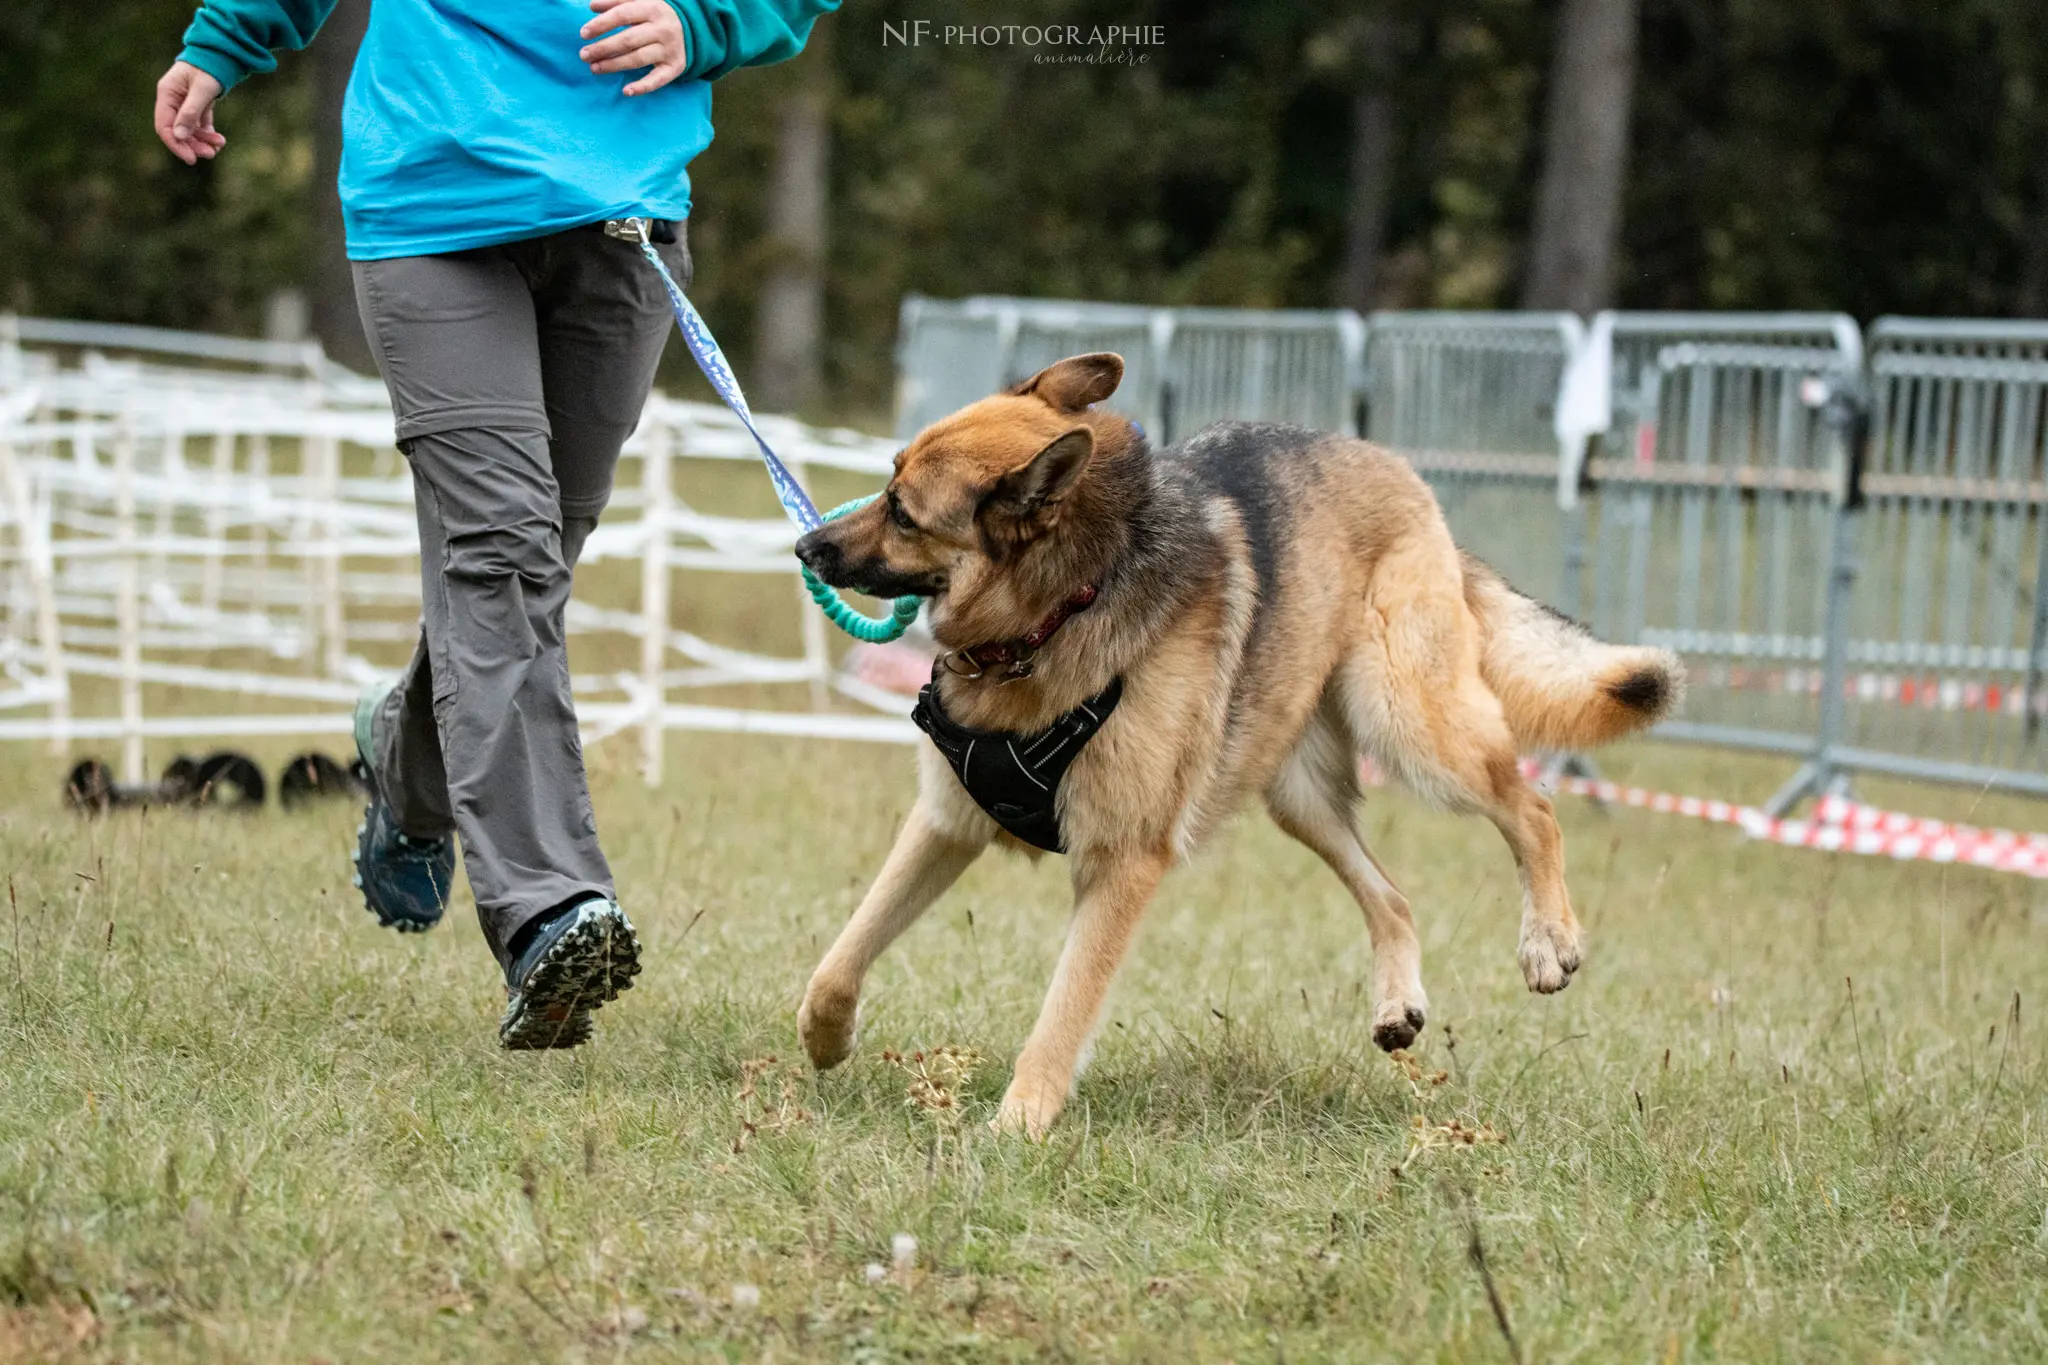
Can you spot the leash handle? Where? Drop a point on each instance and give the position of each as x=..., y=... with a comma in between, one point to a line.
x=796, y=504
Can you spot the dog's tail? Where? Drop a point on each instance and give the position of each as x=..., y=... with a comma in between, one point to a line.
x=1560, y=687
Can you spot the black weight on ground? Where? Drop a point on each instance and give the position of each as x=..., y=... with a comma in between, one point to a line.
x=90, y=788
x=228, y=779
x=225, y=779
x=314, y=777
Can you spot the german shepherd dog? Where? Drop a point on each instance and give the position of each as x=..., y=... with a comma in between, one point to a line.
x=1276, y=602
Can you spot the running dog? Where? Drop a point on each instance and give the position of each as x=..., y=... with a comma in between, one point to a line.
x=1137, y=640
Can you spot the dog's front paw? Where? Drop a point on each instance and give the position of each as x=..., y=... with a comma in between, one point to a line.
x=827, y=1022
x=1030, y=1112
x=1550, y=953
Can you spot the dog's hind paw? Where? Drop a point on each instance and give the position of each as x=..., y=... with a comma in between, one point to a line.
x=1550, y=953
x=1396, y=1025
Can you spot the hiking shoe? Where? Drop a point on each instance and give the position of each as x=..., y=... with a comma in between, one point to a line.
x=578, y=959
x=405, y=880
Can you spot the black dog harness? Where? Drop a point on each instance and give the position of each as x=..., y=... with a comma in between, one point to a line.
x=1016, y=778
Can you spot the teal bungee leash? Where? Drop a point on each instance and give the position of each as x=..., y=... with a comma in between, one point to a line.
x=796, y=503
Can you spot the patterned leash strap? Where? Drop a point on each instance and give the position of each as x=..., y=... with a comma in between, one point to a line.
x=796, y=504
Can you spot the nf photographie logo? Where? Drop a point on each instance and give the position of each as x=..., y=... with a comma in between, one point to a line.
x=1093, y=45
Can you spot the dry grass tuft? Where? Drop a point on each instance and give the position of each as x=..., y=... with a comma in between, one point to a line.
x=757, y=1112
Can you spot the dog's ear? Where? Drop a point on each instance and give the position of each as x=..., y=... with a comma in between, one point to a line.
x=1072, y=384
x=1025, y=502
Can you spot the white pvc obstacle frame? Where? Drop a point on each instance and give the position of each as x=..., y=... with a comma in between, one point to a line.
x=146, y=539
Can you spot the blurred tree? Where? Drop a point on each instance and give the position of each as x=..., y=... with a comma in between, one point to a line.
x=1369, y=193
x=2031, y=299
x=2026, y=125
x=1585, y=157
x=97, y=220
x=790, y=360
x=1869, y=158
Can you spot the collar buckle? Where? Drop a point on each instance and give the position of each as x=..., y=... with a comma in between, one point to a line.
x=947, y=662
x=1016, y=662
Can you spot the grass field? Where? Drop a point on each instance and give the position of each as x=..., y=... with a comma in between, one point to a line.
x=1792, y=1109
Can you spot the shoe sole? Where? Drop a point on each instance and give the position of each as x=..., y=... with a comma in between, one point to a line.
x=589, y=967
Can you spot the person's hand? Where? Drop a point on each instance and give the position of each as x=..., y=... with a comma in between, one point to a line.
x=184, y=113
x=649, y=34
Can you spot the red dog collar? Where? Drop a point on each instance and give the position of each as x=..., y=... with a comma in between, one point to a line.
x=1015, y=657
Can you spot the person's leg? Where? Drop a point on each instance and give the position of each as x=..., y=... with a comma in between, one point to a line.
x=405, y=846
x=603, y=319
x=406, y=761
x=458, y=343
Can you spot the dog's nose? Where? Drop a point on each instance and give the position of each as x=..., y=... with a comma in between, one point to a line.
x=818, y=554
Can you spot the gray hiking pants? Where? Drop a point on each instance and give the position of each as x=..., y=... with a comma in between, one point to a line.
x=516, y=372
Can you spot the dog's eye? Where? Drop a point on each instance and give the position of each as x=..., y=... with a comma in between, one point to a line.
x=898, y=516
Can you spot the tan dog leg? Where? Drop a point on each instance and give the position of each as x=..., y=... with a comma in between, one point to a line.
x=1311, y=800
x=1551, y=947
x=925, y=860
x=1109, y=899
x=1413, y=696
x=1472, y=765
x=1476, y=769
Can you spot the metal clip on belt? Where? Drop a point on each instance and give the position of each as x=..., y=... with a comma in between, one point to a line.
x=642, y=231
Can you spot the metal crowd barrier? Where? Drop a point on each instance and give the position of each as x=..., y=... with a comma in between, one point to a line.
x=1849, y=549
x=1183, y=367
x=1469, y=399
x=1948, y=631
x=1713, y=535
x=1640, y=338
x=1961, y=338
x=950, y=353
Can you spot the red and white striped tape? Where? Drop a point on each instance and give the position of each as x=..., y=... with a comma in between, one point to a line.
x=1841, y=826
x=1855, y=815
x=1923, y=692
x=1838, y=826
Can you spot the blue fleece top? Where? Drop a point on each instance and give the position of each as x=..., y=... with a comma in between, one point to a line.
x=472, y=122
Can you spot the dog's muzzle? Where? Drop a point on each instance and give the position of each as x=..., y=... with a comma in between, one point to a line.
x=824, y=557
x=821, y=556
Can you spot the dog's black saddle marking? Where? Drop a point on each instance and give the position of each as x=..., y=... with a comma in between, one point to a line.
x=1016, y=778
